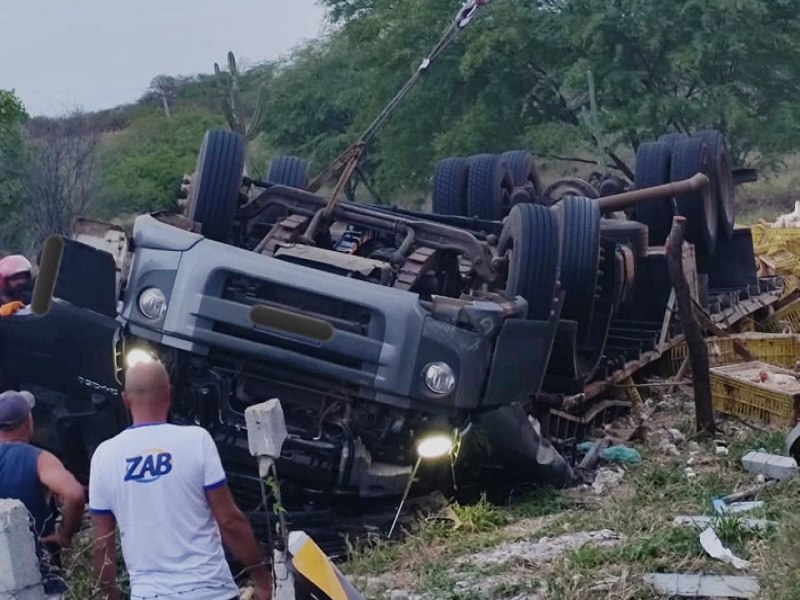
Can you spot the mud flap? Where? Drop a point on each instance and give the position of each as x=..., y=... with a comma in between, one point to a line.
x=516, y=447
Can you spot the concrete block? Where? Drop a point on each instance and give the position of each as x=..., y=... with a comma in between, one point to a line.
x=266, y=428
x=703, y=586
x=19, y=568
x=772, y=466
x=702, y=522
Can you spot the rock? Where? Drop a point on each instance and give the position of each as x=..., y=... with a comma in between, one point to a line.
x=669, y=448
x=398, y=595
x=607, y=479
x=690, y=474
x=539, y=552
x=693, y=446
x=721, y=451
x=675, y=436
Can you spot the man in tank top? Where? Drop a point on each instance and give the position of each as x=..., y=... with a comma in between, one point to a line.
x=32, y=476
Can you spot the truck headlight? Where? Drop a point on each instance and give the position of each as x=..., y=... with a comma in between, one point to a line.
x=439, y=378
x=136, y=356
x=152, y=303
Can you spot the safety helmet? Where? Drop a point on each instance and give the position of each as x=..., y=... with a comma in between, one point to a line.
x=14, y=265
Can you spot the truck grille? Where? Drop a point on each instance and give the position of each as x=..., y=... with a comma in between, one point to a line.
x=342, y=315
x=353, y=320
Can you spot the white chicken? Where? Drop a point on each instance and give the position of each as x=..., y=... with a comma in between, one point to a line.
x=776, y=378
x=789, y=220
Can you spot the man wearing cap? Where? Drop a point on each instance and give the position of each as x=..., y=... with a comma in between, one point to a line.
x=16, y=284
x=32, y=476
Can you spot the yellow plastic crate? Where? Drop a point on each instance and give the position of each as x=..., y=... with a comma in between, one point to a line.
x=788, y=316
x=780, y=262
x=733, y=392
x=791, y=283
x=774, y=348
x=768, y=239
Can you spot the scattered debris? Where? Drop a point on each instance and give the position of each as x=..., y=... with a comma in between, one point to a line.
x=713, y=545
x=721, y=451
x=541, y=551
x=618, y=453
x=702, y=522
x=703, y=586
x=675, y=436
x=721, y=508
x=690, y=474
x=772, y=466
x=748, y=493
x=607, y=479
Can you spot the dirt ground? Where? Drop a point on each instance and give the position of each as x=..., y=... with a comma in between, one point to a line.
x=597, y=541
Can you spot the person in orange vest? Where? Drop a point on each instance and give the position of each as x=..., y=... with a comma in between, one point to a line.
x=16, y=284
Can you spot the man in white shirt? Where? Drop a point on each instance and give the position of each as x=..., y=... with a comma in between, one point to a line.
x=165, y=488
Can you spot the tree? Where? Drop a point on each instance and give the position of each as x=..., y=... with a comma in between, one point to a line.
x=519, y=77
x=12, y=117
x=165, y=88
x=59, y=175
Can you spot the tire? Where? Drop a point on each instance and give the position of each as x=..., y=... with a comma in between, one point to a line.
x=530, y=236
x=522, y=168
x=653, y=168
x=690, y=156
x=723, y=178
x=289, y=171
x=214, y=194
x=449, y=195
x=488, y=188
x=580, y=260
x=634, y=234
x=671, y=138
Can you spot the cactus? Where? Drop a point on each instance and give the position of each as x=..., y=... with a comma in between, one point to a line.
x=231, y=101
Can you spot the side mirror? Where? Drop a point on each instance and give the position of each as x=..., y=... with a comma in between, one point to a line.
x=49, y=267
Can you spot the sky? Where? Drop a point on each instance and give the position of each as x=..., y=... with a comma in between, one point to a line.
x=95, y=54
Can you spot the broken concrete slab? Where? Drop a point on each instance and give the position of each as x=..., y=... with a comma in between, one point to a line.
x=721, y=508
x=770, y=465
x=702, y=522
x=703, y=586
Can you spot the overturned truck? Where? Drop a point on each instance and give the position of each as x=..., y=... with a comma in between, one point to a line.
x=376, y=327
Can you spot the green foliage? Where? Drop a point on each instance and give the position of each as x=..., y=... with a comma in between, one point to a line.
x=12, y=116
x=143, y=165
x=518, y=77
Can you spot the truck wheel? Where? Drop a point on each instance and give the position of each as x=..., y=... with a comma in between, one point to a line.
x=289, y=171
x=488, y=187
x=214, y=193
x=671, y=138
x=449, y=195
x=723, y=178
x=522, y=169
x=580, y=261
x=530, y=240
x=626, y=232
x=689, y=157
x=652, y=169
